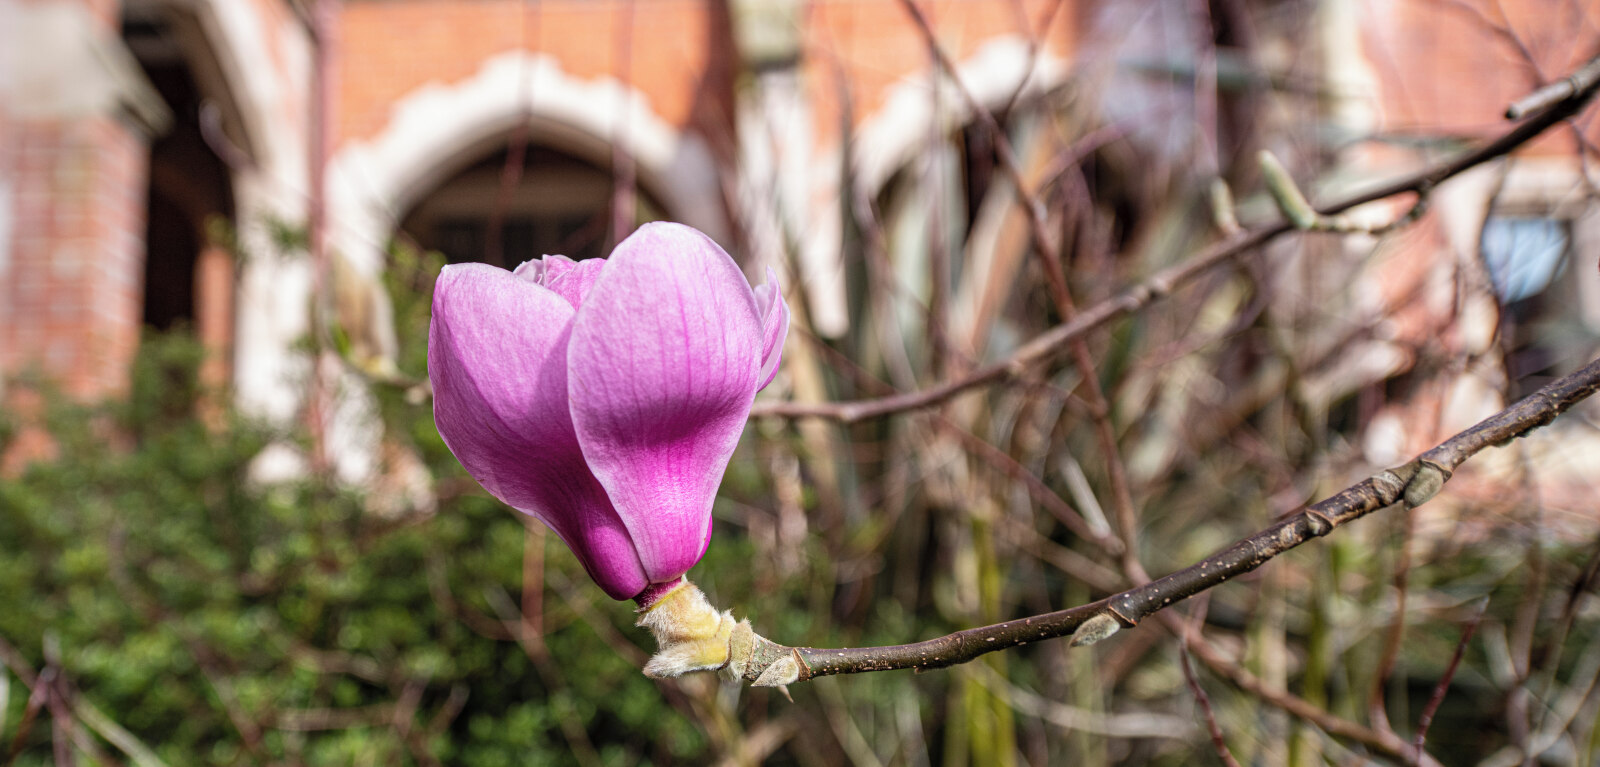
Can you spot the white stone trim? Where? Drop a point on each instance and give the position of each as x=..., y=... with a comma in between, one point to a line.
x=893, y=136
x=272, y=303
x=437, y=127
x=58, y=63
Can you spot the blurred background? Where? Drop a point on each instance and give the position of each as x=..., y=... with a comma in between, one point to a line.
x=229, y=533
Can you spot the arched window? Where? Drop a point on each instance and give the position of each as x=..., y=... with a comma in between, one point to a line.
x=555, y=202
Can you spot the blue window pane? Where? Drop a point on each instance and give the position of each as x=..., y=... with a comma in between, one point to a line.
x=1523, y=255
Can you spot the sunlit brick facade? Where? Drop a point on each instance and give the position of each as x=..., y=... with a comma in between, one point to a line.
x=714, y=106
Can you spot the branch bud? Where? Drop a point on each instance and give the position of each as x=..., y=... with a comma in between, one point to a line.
x=1095, y=629
x=1222, y=208
x=1426, y=484
x=1286, y=194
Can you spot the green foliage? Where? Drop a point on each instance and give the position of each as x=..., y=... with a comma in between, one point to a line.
x=223, y=621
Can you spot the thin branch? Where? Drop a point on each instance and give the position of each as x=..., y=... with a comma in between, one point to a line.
x=1036, y=487
x=1547, y=93
x=1217, y=741
x=1412, y=484
x=1040, y=348
x=1377, y=697
x=1050, y=253
x=1383, y=742
x=1130, y=724
x=1566, y=88
x=1187, y=632
x=39, y=690
x=1440, y=689
x=625, y=174
x=1160, y=284
x=520, y=626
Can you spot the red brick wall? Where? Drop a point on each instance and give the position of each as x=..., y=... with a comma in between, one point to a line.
x=391, y=48
x=72, y=302
x=1453, y=68
x=877, y=45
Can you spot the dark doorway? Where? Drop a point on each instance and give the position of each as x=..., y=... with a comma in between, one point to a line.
x=190, y=187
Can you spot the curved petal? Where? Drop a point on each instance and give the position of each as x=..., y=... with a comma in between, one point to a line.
x=663, y=363
x=497, y=360
x=543, y=269
x=573, y=284
x=569, y=279
x=774, y=313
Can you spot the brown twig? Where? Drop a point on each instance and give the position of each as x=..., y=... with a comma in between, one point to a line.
x=248, y=727
x=1217, y=741
x=1580, y=587
x=1033, y=32
x=1036, y=487
x=1050, y=254
x=1412, y=484
x=1383, y=742
x=578, y=742
x=1190, y=630
x=1547, y=93
x=1569, y=87
x=1443, y=686
x=1377, y=697
x=39, y=691
x=517, y=147
x=625, y=176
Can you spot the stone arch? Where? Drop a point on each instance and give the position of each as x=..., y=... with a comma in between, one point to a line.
x=895, y=133
x=438, y=128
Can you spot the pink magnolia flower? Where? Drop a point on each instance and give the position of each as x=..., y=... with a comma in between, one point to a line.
x=605, y=397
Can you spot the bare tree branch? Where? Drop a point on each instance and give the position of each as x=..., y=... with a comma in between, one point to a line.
x=1411, y=484
x=1443, y=686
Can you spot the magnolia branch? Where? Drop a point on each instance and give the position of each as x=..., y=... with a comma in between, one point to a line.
x=1578, y=90
x=695, y=636
x=1410, y=485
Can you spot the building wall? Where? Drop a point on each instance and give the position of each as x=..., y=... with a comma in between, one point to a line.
x=1430, y=78
x=1454, y=67
x=669, y=51
x=78, y=118
x=392, y=48
x=737, y=113
x=676, y=83
x=72, y=294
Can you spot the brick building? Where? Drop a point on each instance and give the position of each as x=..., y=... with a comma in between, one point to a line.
x=132, y=132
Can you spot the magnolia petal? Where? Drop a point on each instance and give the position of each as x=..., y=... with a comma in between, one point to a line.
x=573, y=284
x=497, y=360
x=663, y=363
x=774, y=313
x=569, y=279
x=543, y=269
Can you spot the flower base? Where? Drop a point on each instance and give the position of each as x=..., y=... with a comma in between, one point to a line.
x=693, y=636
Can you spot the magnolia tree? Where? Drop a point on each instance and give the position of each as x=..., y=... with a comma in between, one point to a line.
x=607, y=397
x=1083, y=424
